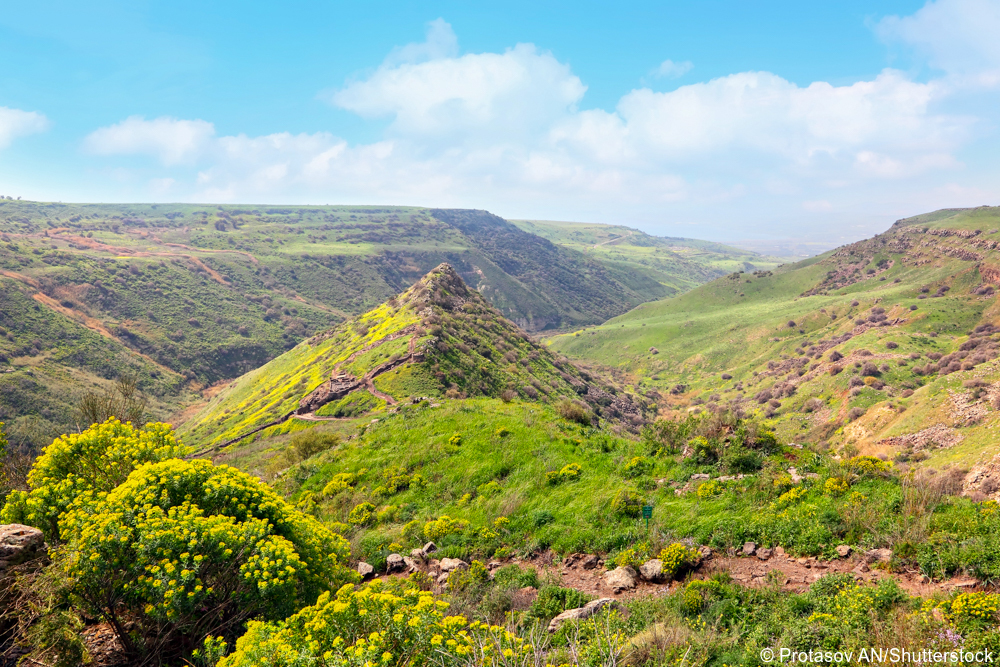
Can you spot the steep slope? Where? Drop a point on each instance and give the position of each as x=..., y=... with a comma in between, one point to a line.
x=676, y=263
x=48, y=361
x=887, y=345
x=437, y=339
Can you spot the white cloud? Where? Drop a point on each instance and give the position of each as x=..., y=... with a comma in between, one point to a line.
x=960, y=37
x=492, y=96
x=15, y=123
x=170, y=140
x=505, y=131
x=671, y=70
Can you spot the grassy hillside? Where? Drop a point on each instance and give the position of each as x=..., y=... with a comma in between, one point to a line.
x=676, y=263
x=439, y=339
x=863, y=346
x=212, y=292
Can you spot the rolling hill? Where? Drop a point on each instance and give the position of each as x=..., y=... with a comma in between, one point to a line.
x=676, y=263
x=886, y=346
x=438, y=339
x=188, y=295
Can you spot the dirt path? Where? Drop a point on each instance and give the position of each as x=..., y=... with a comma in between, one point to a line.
x=793, y=574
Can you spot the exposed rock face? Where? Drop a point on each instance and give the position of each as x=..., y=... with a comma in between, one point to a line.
x=764, y=554
x=749, y=548
x=621, y=579
x=582, y=613
x=335, y=389
x=449, y=564
x=394, y=563
x=19, y=544
x=652, y=570
x=984, y=479
x=429, y=548
x=365, y=570
x=878, y=555
x=843, y=551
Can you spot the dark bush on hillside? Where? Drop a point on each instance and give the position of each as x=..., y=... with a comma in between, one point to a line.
x=907, y=393
x=855, y=303
x=812, y=405
x=892, y=345
x=856, y=382
x=727, y=376
x=913, y=307
x=855, y=413
x=834, y=370
x=836, y=356
x=763, y=396
x=869, y=370
x=574, y=411
x=508, y=395
x=791, y=324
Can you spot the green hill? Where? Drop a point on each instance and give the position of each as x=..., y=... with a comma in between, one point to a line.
x=886, y=345
x=438, y=339
x=212, y=292
x=676, y=263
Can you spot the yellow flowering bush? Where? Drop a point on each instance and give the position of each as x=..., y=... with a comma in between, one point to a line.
x=393, y=481
x=636, y=466
x=455, y=440
x=84, y=467
x=362, y=514
x=378, y=625
x=489, y=489
x=677, y=558
x=569, y=473
x=835, y=486
x=634, y=556
x=443, y=526
x=183, y=548
x=972, y=608
x=792, y=496
x=868, y=466
x=709, y=489
x=342, y=481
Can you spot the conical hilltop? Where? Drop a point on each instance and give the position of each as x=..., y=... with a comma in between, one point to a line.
x=438, y=339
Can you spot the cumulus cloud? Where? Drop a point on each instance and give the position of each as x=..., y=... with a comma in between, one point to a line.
x=959, y=37
x=170, y=140
x=508, y=131
x=671, y=70
x=15, y=123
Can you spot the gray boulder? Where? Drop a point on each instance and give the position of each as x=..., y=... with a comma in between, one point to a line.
x=449, y=564
x=878, y=556
x=749, y=548
x=365, y=570
x=620, y=579
x=19, y=544
x=429, y=548
x=582, y=613
x=394, y=563
x=843, y=551
x=652, y=570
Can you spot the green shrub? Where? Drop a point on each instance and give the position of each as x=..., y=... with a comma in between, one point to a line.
x=627, y=503
x=574, y=411
x=362, y=514
x=306, y=444
x=569, y=472
x=636, y=466
x=183, y=548
x=80, y=468
x=554, y=600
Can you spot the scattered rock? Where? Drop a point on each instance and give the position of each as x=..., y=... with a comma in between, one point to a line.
x=779, y=551
x=705, y=553
x=843, y=551
x=19, y=544
x=652, y=570
x=861, y=568
x=749, y=548
x=429, y=548
x=449, y=564
x=417, y=554
x=878, y=555
x=924, y=579
x=442, y=578
x=700, y=476
x=589, y=562
x=764, y=554
x=584, y=612
x=620, y=579
x=411, y=564
x=365, y=570
x=394, y=563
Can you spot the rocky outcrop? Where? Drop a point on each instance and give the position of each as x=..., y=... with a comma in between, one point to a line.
x=621, y=579
x=449, y=564
x=652, y=570
x=582, y=613
x=365, y=570
x=19, y=544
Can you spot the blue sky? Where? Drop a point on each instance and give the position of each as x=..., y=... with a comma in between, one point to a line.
x=722, y=120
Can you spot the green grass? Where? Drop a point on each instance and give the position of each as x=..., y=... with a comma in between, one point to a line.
x=739, y=326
